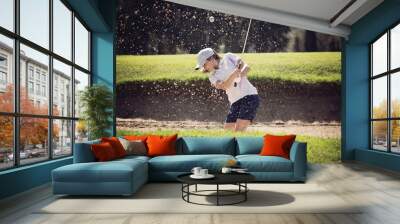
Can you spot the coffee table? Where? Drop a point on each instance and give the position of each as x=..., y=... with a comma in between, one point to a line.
x=238, y=179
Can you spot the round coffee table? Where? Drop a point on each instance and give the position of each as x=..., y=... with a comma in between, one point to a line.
x=238, y=179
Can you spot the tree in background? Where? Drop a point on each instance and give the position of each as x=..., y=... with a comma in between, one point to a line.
x=304, y=40
x=6, y=122
x=380, y=127
x=396, y=124
x=33, y=131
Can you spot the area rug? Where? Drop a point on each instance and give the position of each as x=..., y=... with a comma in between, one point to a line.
x=166, y=198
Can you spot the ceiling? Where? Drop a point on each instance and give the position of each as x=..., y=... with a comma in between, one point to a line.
x=333, y=17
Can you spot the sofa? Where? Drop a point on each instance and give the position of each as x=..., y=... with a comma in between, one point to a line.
x=126, y=175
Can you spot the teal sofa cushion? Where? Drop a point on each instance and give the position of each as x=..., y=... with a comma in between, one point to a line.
x=118, y=177
x=249, y=145
x=206, y=145
x=93, y=172
x=185, y=163
x=257, y=163
x=111, y=171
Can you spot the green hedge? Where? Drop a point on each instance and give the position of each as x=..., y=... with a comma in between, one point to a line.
x=302, y=67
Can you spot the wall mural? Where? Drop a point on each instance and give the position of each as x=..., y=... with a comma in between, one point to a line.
x=295, y=74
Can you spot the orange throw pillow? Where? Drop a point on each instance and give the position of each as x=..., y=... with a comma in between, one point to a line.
x=277, y=145
x=161, y=145
x=116, y=145
x=103, y=151
x=136, y=137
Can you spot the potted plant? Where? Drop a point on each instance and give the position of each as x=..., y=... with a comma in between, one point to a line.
x=96, y=102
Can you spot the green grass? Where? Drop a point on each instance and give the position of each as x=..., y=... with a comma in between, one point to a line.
x=301, y=67
x=319, y=150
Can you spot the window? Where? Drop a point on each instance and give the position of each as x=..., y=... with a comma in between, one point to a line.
x=3, y=72
x=62, y=137
x=81, y=45
x=30, y=72
x=379, y=56
x=3, y=61
x=33, y=140
x=395, y=47
x=62, y=74
x=379, y=97
x=6, y=74
x=81, y=81
x=3, y=78
x=81, y=132
x=62, y=29
x=40, y=62
x=55, y=102
x=38, y=89
x=7, y=14
x=3, y=81
x=47, y=74
x=44, y=77
x=395, y=135
x=6, y=142
x=30, y=87
x=44, y=91
x=35, y=21
x=385, y=94
x=38, y=75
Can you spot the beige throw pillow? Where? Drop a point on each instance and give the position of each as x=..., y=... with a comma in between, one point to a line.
x=136, y=147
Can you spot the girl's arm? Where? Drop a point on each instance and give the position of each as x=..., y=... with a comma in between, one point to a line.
x=228, y=82
x=244, y=68
x=244, y=71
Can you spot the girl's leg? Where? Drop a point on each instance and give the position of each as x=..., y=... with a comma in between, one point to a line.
x=230, y=126
x=241, y=124
x=247, y=112
x=231, y=118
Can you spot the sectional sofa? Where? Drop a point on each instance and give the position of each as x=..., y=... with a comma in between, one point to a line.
x=125, y=176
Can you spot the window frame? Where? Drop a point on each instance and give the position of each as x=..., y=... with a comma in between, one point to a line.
x=6, y=61
x=3, y=74
x=16, y=114
x=388, y=74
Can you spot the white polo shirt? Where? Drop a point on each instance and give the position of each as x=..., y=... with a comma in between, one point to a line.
x=243, y=87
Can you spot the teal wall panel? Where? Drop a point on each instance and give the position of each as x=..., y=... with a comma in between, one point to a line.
x=355, y=86
x=103, y=66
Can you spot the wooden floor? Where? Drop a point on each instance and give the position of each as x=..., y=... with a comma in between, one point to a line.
x=378, y=189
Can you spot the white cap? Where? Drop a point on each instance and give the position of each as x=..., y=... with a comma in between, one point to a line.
x=202, y=56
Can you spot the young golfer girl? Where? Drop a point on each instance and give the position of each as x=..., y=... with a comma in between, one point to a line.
x=229, y=73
